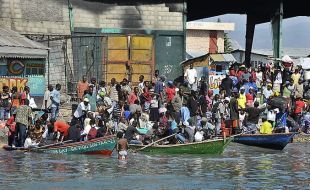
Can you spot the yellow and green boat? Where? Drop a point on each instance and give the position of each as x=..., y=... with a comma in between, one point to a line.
x=215, y=146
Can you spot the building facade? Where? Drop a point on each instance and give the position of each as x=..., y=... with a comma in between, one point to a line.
x=206, y=37
x=22, y=62
x=102, y=39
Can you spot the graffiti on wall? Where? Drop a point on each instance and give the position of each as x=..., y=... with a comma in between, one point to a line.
x=215, y=82
x=167, y=69
x=20, y=83
x=36, y=84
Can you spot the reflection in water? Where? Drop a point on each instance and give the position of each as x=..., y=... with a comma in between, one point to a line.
x=240, y=167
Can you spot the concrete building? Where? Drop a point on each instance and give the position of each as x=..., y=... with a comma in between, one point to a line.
x=151, y=35
x=206, y=37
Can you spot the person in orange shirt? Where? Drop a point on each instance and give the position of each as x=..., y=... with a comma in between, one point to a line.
x=81, y=87
x=299, y=107
x=61, y=127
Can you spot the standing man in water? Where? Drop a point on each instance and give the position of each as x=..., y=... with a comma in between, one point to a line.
x=122, y=147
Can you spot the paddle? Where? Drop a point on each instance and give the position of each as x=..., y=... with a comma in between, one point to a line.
x=50, y=145
x=156, y=142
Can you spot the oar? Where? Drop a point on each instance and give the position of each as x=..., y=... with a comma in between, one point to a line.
x=50, y=145
x=156, y=142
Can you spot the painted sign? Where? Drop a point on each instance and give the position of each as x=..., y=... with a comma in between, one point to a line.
x=215, y=82
x=93, y=146
x=20, y=83
x=16, y=67
x=36, y=84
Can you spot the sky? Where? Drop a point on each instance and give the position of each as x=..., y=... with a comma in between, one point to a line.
x=296, y=32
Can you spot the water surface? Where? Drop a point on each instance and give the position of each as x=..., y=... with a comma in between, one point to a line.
x=239, y=167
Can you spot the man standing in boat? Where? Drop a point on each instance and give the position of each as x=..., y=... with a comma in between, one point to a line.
x=22, y=119
x=253, y=117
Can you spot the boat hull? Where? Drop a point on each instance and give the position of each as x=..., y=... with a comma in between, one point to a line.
x=273, y=141
x=205, y=147
x=103, y=146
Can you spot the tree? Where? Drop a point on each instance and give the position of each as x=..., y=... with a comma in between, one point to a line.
x=227, y=44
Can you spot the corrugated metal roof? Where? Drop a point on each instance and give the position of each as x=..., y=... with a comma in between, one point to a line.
x=14, y=45
x=229, y=57
x=224, y=57
x=220, y=57
x=217, y=57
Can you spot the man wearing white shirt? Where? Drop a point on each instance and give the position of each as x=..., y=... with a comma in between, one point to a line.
x=277, y=81
x=191, y=76
x=47, y=102
x=82, y=109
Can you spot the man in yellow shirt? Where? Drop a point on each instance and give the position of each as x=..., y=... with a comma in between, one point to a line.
x=266, y=127
x=242, y=98
x=295, y=76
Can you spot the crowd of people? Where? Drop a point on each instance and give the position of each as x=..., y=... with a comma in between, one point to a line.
x=151, y=110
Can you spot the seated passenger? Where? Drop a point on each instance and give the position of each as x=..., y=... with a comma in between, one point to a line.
x=266, y=127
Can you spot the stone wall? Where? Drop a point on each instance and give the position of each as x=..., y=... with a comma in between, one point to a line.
x=52, y=17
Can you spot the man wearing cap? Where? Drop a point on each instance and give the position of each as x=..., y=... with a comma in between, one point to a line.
x=55, y=97
x=82, y=109
x=190, y=75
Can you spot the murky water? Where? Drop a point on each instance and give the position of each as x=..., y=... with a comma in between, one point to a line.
x=240, y=167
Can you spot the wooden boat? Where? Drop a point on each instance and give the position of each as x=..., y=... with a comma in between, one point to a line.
x=276, y=141
x=216, y=146
x=103, y=146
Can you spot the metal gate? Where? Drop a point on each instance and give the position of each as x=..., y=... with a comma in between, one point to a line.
x=129, y=56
